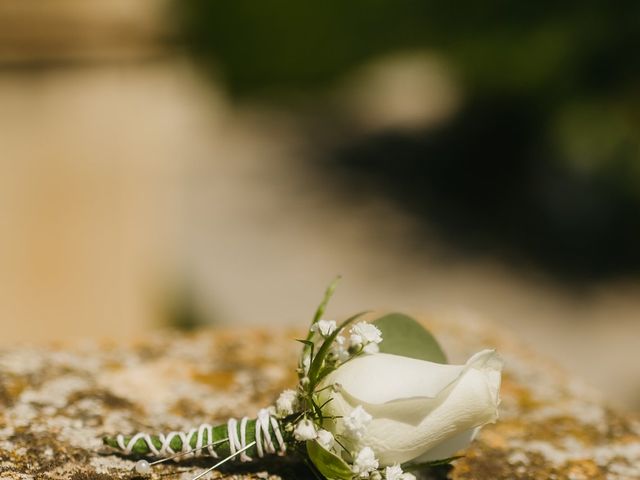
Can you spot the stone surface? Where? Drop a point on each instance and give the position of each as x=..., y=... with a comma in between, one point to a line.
x=57, y=403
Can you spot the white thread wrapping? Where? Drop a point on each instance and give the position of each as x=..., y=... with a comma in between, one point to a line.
x=237, y=439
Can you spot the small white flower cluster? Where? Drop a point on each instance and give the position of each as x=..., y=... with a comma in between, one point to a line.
x=395, y=473
x=365, y=462
x=305, y=430
x=325, y=438
x=366, y=335
x=287, y=403
x=365, y=465
x=363, y=337
x=355, y=424
x=362, y=334
x=324, y=327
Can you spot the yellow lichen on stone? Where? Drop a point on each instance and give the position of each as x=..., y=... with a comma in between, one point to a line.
x=57, y=404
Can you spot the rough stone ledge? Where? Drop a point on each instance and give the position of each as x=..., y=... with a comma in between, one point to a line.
x=55, y=404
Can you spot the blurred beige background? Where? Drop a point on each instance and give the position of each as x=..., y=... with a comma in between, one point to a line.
x=127, y=178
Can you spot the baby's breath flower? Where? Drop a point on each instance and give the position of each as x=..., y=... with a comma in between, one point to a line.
x=363, y=333
x=306, y=363
x=325, y=438
x=356, y=422
x=324, y=327
x=393, y=473
x=371, y=348
x=339, y=348
x=305, y=430
x=365, y=463
x=287, y=403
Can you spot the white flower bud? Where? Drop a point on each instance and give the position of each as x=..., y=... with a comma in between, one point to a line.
x=325, y=438
x=365, y=463
x=356, y=422
x=324, y=327
x=287, y=403
x=305, y=430
x=442, y=405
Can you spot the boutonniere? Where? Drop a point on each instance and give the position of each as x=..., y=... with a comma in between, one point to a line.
x=374, y=400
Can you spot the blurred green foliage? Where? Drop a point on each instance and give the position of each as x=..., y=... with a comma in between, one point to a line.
x=545, y=152
x=575, y=62
x=560, y=49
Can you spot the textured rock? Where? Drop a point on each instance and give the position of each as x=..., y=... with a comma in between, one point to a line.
x=57, y=403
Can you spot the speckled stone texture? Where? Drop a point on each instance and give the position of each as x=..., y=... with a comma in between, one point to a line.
x=55, y=404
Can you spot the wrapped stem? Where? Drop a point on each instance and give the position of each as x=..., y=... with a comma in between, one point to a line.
x=232, y=436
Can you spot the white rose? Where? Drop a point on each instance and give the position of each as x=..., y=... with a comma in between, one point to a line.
x=420, y=410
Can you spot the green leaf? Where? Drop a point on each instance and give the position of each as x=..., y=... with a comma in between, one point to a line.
x=329, y=465
x=327, y=296
x=402, y=335
x=444, y=461
x=326, y=370
x=412, y=467
x=308, y=344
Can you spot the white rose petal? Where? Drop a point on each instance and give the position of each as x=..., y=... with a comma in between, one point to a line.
x=305, y=430
x=287, y=402
x=325, y=438
x=324, y=327
x=356, y=422
x=408, y=476
x=365, y=462
x=420, y=410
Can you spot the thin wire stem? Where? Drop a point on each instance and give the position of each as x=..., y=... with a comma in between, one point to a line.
x=224, y=461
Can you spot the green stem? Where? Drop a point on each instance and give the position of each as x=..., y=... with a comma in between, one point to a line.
x=219, y=432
